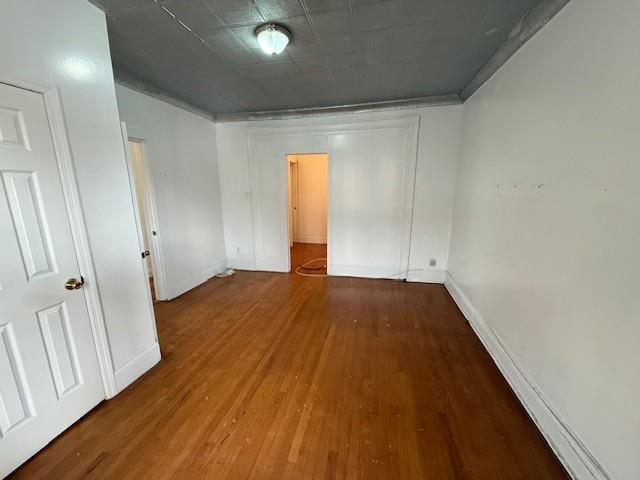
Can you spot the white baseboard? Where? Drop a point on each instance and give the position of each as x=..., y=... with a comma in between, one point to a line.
x=132, y=370
x=426, y=276
x=570, y=450
x=241, y=263
x=312, y=239
x=192, y=282
x=363, y=272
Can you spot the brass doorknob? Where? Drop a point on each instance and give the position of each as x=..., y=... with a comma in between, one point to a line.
x=74, y=283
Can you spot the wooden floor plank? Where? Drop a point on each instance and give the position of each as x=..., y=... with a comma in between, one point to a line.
x=272, y=376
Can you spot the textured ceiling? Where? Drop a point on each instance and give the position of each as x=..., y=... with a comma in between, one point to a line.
x=204, y=52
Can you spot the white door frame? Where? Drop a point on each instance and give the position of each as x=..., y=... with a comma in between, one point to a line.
x=296, y=223
x=64, y=160
x=134, y=134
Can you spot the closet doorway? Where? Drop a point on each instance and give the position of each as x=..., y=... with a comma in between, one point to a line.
x=307, y=194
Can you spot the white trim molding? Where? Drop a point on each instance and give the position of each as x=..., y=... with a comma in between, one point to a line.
x=365, y=272
x=318, y=239
x=433, y=275
x=389, y=105
x=570, y=450
x=136, y=367
x=245, y=262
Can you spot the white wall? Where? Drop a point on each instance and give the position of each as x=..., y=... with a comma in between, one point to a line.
x=435, y=174
x=64, y=44
x=547, y=226
x=372, y=170
x=181, y=154
x=312, y=184
x=370, y=206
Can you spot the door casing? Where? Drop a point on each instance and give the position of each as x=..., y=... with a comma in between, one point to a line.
x=293, y=199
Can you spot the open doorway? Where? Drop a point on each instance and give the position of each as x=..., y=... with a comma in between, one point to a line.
x=139, y=179
x=144, y=207
x=307, y=185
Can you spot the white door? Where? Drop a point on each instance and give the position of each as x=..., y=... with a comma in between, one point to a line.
x=132, y=152
x=49, y=371
x=137, y=185
x=137, y=179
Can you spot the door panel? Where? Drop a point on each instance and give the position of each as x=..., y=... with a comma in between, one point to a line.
x=15, y=399
x=49, y=371
x=62, y=354
x=25, y=204
x=12, y=128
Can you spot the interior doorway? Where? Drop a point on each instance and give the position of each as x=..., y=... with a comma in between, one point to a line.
x=307, y=194
x=144, y=208
x=137, y=164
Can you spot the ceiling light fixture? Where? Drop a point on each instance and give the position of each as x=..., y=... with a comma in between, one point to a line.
x=272, y=38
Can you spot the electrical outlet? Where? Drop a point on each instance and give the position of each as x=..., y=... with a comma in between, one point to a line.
x=432, y=262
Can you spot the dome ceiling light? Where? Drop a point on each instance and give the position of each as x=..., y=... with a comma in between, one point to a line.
x=272, y=38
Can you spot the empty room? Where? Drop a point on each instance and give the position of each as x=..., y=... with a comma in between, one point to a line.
x=319, y=239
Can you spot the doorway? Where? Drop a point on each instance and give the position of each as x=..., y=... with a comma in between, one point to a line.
x=138, y=168
x=307, y=193
x=145, y=211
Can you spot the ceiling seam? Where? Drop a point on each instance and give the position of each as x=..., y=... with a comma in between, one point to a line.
x=189, y=29
x=314, y=32
x=211, y=47
x=307, y=14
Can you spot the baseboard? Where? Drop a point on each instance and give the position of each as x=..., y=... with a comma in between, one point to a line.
x=570, y=450
x=198, y=279
x=364, y=272
x=426, y=276
x=312, y=239
x=132, y=370
x=241, y=263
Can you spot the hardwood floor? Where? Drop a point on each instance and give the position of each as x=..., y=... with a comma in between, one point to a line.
x=280, y=376
x=309, y=254
x=152, y=287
